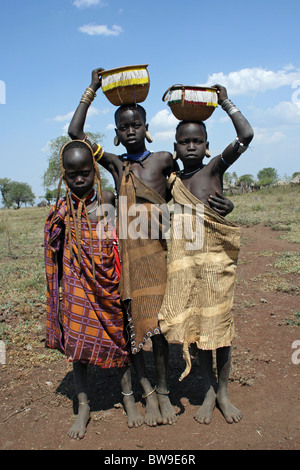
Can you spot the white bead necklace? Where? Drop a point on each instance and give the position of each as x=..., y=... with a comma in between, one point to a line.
x=93, y=208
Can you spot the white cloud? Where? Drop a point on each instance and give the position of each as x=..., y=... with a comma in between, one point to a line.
x=164, y=135
x=267, y=136
x=104, y=111
x=46, y=147
x=101, y=29
x=92, y=111
x=64, y=117
x=255, y=79
x=88, y=3
x=65, y=128
x=164, y=119
x=164, y=124
x=286, y=110
x=283, y=113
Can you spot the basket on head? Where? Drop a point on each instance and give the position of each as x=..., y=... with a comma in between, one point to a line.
x=126, y=85
x=194, y=103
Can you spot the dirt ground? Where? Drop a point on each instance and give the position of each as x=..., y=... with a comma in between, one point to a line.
x=36, y=402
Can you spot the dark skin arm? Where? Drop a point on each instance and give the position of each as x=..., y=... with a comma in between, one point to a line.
x=77, y=123
x=109, y=161
x=154, y=171
x=243, y=129
x=113, y=164
x=245, y=134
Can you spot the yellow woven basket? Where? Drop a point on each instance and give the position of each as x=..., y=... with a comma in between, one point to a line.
x=193, y=103
x=126, y=85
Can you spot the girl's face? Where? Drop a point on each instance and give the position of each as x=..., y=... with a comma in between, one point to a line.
x=79, y=171
x=191, y=143
x=131, y=130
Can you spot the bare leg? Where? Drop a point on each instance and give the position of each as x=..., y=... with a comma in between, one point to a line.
x=161, y=359
x=204, y=414
x=134, y=418
x=230, y=412
x=78, y=430
x=152, y=416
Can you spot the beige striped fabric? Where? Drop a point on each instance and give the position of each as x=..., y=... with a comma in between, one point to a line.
x=143, y=259
x=201, y=277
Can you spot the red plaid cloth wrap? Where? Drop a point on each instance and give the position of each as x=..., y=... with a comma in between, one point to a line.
x=90, y=327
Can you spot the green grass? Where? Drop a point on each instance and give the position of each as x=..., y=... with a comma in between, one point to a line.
x=279, y=209
x=275, y=207
x=275, y=282
x=295, y=320
x=288, y=262
x=23, y=284
x=22, y=274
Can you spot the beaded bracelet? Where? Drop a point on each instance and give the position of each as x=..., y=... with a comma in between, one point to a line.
x=229, y=107
x=88, y=96
x=242, y=147
x=100, y=151
x=228, y=164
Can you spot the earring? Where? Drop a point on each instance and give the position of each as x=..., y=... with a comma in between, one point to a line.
x=174, y=155
x=116, y=141
x=149, y=137
x=207, y=153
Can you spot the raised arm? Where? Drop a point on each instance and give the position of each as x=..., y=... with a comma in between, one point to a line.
x=76, y=128
x=243, y=129
x=77, y=123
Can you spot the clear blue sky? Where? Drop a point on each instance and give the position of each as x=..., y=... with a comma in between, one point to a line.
x=50, y=47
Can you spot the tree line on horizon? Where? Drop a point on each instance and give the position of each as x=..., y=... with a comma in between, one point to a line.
x=15, y=193
x=265, y=177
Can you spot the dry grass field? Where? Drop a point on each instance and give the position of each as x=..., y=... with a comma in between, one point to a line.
x=36, y=385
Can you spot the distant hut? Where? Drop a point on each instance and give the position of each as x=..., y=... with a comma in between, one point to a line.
x=296, y=180
x=42, y=203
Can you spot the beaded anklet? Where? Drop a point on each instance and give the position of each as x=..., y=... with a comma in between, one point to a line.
x=127, y=394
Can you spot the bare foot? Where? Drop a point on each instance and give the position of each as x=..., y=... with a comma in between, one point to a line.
x=204, y=414
x=152, y=415
x=78, y=429
x=166, y=409
x=229, y=411
x=134, y=418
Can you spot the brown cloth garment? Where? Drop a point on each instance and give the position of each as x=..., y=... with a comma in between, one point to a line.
x=142, y=222
x=200, y=286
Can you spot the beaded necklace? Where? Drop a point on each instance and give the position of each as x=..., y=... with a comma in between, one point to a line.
x=182, y=173
x=139, y=157
x=90, y=198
